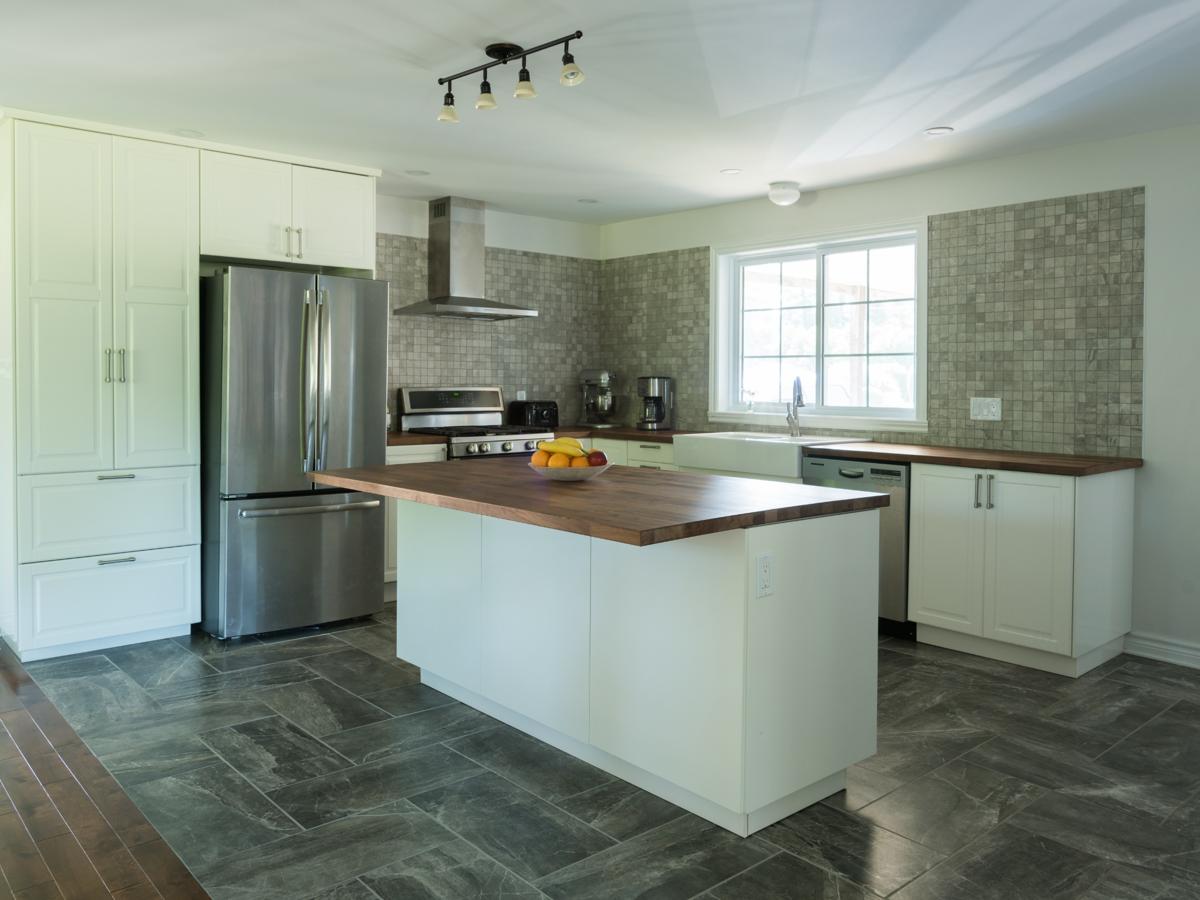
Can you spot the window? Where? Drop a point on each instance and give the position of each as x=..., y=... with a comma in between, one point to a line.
x=843, y=316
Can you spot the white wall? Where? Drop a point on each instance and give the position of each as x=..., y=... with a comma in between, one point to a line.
x=1167, y=544
x=399, y=215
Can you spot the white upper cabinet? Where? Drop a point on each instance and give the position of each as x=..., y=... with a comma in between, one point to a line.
x=334, y=218
x=156, y=304
x=245, y=207
x=64, y=299
x=265, y=210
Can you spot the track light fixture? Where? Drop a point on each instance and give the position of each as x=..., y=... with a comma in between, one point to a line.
x=502, y=54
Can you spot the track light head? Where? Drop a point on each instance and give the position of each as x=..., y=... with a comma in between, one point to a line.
x=571, y=74
x=485, y=99
x=525, y=89
x=449, y=113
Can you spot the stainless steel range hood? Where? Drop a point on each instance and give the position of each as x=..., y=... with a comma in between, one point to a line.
x=456, y=267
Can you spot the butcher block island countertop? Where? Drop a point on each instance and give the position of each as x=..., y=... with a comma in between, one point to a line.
x=625, y=504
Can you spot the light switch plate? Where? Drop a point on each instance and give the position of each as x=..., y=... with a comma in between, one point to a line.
x=985, y=409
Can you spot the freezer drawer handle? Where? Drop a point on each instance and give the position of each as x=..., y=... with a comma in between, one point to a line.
x=113, y=562
x=115, y=477
x=851, y=473
x=277, y=511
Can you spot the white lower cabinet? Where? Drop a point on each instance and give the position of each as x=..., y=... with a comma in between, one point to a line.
x=76, y=602
x=616, y=451
x=87, y=513
x=1003, y=559
x=399, y=456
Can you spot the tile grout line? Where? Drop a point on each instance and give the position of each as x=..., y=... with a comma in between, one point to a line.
x=762, y=862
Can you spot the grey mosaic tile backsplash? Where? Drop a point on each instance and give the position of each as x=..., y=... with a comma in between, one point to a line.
x=1039, y=304
x=541, y=356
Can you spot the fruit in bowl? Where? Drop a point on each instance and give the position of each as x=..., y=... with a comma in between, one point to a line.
x=564, y=459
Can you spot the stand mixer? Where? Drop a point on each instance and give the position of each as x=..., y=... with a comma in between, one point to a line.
x=599, y=406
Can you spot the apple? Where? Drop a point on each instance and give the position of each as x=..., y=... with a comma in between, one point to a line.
x=597, y=458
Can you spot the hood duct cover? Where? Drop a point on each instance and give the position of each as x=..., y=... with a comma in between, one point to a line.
x=456, y=261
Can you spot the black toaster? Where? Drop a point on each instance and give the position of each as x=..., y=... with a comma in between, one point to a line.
x=542, y=413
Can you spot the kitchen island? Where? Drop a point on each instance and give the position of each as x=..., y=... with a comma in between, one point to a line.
x=709, y=639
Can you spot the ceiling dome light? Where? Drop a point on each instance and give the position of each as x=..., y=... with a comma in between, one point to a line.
x=731, y=171
x=939, y=130
x=571, y=74
x=485, y=99
x=783, y=193
x=449, y=113
x=524, y=89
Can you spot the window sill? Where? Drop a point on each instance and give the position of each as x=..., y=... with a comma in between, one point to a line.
x=839, y=423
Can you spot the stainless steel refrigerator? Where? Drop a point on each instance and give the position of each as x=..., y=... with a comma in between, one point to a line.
x=294, y=380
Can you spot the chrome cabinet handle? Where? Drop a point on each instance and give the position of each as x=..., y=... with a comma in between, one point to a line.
x=115, y=477
x=978, y=479
x=990, y=504
x=275, y=512
x=650, y=446
x=113, y=562
x=287, y=233
x=108, y=366
x=299, y=243
x=121, y=354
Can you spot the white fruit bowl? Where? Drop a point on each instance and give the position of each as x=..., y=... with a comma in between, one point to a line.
x=570, y=474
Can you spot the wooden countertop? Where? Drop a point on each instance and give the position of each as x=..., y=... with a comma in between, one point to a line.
x=406, y=439
x=618, y=434
x=625, y=504
x=1045, y=463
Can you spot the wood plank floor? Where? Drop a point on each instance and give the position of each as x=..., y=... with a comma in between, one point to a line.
x=67, y=828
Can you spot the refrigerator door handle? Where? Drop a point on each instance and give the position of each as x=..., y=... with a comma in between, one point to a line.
x=276, y=511
x=326, y=345
x=308, y=385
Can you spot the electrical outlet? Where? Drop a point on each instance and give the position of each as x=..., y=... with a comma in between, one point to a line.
x=985, y=409
x=520, y=395
x=765, y=567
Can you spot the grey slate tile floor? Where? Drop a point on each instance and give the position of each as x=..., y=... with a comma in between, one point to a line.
x=314, y=765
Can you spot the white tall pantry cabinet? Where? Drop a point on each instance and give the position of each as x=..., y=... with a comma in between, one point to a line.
x=101, y=525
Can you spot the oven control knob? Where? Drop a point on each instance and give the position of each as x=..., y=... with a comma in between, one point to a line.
x=506, y=446
x=531, y=445
x=472, y=448
x=485, y=448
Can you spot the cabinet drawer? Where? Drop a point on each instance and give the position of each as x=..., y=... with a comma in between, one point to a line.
x=86, y=599
x=642, y=464
x=651, y=452
x=416, y=453
x=88, y=513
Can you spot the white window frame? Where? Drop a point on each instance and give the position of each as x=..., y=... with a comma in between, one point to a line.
x=725, y=335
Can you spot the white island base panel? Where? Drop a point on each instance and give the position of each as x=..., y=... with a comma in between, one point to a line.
x=676, y=666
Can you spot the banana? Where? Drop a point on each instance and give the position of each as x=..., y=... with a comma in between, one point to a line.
x=560, y=446
x=568, y=440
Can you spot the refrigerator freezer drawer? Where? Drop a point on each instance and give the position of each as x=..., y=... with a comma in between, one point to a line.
x=291, y=562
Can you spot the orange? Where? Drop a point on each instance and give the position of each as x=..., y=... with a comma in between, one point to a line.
x=540, y=458
x=579, y=462
x=559, y=461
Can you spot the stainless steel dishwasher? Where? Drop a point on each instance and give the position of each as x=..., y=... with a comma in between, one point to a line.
x=882, y=478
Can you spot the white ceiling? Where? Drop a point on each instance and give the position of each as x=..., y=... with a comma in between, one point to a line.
x=819, y=91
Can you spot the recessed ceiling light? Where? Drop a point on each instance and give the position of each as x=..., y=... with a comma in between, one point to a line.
x=939, y=130
x=588, y=200
x=416, y=173
x=731, y=171
x=187, y=133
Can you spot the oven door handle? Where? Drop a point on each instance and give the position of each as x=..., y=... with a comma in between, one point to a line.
x=276, y=511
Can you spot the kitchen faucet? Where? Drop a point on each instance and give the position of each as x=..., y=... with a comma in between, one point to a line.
x=793, y=408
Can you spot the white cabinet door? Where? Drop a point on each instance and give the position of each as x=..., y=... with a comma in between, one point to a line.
x=389, y=539
x=535, y=639
x=156, y=304
x=1028, y=583
x=96, y=597
x=245, y=207
x=654, y=452
x=87, y=513
x=616, y=451
x=334, y=217
x=64, y=299
x=395, y=456
x=946, y=548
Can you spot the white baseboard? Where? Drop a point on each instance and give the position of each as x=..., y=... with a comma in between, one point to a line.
x=1182, y=653
x=104, y=643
